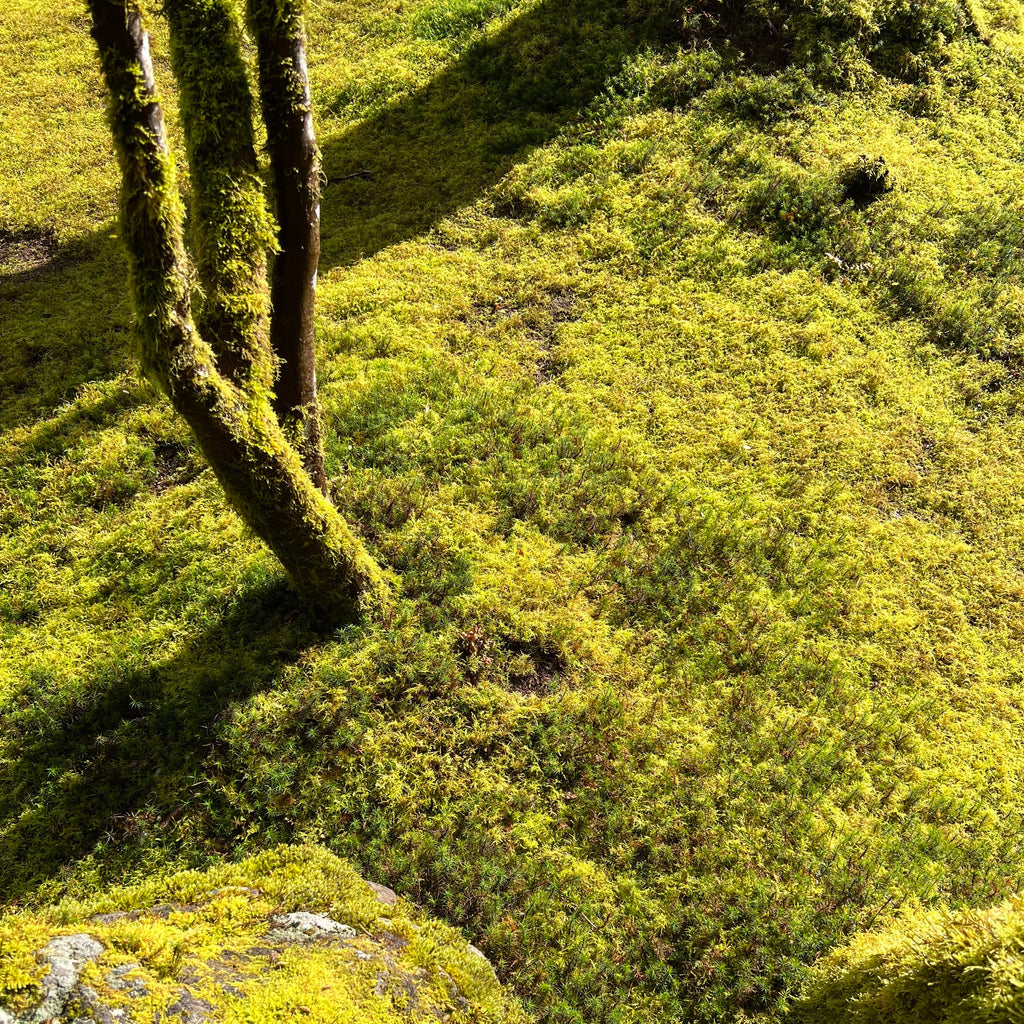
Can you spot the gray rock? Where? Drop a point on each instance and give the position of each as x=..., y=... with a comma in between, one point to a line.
x=111, y=918
x=66, y=955
x=134, y=987
x=300, y=927
x=384, y=895
x=5, y=1017
x=263, y=951
x=391, y=942
x=88, y=999
x=191, y=1009
x=79, y=949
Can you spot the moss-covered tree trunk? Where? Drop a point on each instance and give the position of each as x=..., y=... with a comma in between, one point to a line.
x=219, y=367
x=278, y=28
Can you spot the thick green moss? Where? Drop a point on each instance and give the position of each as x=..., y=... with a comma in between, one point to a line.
x=704, y=485
x=927, y=968
x=232, y=228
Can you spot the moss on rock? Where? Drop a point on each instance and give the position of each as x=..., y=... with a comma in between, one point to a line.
x=293, y=933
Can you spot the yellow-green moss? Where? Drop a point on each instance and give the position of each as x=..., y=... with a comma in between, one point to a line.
x=941, y=967
x=198, y=930
x=704, y=485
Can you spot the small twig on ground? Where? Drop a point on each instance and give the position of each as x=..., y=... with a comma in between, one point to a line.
x=347, y=177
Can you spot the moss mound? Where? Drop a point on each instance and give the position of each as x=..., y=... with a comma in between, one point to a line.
x=291, y=934
x=932, y=968
x=836, y=41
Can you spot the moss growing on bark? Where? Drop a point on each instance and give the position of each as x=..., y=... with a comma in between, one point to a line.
x=229, y=412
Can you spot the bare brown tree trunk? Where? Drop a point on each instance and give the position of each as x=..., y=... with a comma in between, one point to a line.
x=239, y=434
x=278, y=28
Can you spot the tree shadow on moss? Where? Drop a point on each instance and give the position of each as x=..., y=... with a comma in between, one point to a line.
x=398, y=173
x=65, y=319
x=108, y=769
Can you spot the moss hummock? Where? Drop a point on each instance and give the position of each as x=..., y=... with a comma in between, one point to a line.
x=290, y=934
x=928, y=968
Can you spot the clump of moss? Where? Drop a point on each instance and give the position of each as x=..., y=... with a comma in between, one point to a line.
x=223, y=938
x=841, y=42
x=866, y=180
x=939, y=967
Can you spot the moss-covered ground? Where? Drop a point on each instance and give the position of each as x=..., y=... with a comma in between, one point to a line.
x=699, y=455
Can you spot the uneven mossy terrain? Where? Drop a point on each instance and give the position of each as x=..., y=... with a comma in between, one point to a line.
x=699, y=459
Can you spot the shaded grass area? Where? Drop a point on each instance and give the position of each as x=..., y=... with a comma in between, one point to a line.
x=48, y=351
x=702, y=480
x=117, y=755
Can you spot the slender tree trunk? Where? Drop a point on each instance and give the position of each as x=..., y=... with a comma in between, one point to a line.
x=278, y=28
x=237, y=430
x=232, y=231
